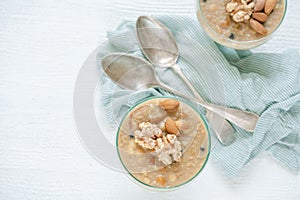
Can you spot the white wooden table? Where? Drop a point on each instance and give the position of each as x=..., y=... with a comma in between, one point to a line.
x=43, y=44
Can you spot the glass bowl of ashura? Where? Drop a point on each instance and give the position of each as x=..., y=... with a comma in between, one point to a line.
x=163, y=143
x=240, y=24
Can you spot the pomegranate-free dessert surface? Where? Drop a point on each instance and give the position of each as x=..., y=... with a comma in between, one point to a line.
x=240, y=23
x=163, y=143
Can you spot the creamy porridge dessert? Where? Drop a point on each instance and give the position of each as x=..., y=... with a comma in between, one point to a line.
x=163, y=143
x=240, y=24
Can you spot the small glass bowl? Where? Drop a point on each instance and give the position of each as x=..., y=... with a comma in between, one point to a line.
x=225, y=40
x=184, y=183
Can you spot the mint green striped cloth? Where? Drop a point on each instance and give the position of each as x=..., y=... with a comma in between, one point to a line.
x=265, y=83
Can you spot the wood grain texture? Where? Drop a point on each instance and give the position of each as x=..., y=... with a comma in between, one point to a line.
x=42, y=47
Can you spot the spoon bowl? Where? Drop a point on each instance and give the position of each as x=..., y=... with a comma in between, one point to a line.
x=129, y=72
x=157, y=42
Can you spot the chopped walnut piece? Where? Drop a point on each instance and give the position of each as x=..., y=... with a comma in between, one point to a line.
x=171, y=138
x=166, y=146
x=251, y=5
x=147, y=134
x=145, y=142
x=168, y=149
x=239, y=16
x=237, y=9
x=231, y=6
x=150, y=130
x=240, y=11
x=244, y=2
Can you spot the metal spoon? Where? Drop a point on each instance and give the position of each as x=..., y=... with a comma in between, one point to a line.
x=134, y=73
x=160, y=48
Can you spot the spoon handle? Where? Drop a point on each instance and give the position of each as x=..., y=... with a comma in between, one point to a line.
x=223, y=129
x=178, y=71
x=244, y=119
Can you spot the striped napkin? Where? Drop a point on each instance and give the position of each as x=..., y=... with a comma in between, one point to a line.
x=265, y=83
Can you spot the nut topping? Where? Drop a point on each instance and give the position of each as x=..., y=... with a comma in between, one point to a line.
x=258, y=27
x=245, y=10
x=260, y=16
x=231, y=6
x=169, y=104
x=269, y=6
x=171, y=126
x=240, y=16
x=259, y=6
x=166, y=146
x=240, y=11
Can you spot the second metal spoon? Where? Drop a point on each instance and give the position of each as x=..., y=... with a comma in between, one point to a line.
x=160, y=48
x=134, y=73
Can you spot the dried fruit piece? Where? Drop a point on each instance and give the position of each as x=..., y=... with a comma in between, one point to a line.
x=260, y=16
x=152, y=160
x=169, y=104
x=171, y=127
x=161, y=180
x=269, y=6
x=259, y=5
x=258, y=27
x=202, y=148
